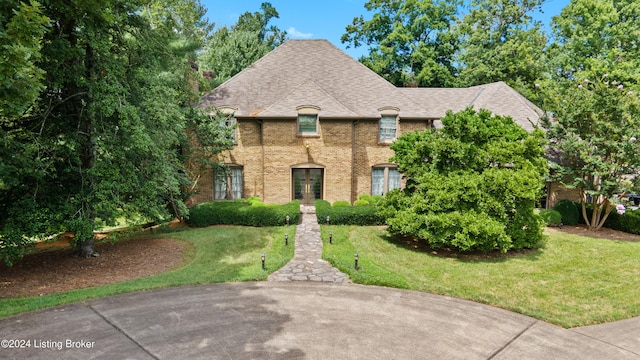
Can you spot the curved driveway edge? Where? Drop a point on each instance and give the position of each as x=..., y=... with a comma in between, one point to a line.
x=300, y=320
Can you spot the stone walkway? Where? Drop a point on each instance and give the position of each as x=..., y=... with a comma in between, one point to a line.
x=307, y=263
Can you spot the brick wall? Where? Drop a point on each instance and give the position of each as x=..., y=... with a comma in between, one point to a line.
x=267, y=161
x=558, y=192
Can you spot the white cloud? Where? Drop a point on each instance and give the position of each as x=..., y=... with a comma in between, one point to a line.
x=297, y=34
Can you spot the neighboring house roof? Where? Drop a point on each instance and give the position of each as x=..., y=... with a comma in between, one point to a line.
x=315, y=72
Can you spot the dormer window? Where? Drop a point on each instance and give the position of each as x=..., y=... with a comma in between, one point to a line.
x=229, y=120
x=388, y=126
x=307, y=120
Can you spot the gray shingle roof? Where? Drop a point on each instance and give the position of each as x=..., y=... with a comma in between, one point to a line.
x=315, y=72
x=498, y=97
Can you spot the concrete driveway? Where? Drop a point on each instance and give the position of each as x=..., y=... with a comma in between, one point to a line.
x=301, y=320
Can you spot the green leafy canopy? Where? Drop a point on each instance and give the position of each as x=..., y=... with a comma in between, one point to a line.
x=471, y=185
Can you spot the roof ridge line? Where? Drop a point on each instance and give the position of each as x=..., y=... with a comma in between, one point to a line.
x=332, y=97
x=477, y=96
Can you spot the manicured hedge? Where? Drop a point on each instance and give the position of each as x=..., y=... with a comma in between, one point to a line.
x=341, y=203
x=347, y=215
x=241, y=212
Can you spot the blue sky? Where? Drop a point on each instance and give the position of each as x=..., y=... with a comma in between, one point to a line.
x=327, y=19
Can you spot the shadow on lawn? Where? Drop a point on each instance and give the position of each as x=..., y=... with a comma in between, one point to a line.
x=421, y=246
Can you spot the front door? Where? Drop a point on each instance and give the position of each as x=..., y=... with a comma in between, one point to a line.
x=307, y=185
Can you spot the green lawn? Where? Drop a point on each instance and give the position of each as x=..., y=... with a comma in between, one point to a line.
x=573, y=281
x=218, y=254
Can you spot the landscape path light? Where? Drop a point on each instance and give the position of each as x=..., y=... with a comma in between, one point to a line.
x=287, y=218
x=355, y=259
x=330, y=237
x=263, y=258
x=328, y=218
x=286, y=239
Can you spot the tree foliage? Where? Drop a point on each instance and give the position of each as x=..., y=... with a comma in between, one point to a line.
x=104, y=139
x=500, y=42
x=595, y=37
x=593, y=131
x=410, y=42
x=22, y=27
x=231, y=49
x=593, y=102
x=471, y=185
x=427, y=43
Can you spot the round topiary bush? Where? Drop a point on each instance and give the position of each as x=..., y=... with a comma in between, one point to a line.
x=360, y=202
x=551, y=217
x=569, y=212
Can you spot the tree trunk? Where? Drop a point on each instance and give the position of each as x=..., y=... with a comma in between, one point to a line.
x=84, y=247
x=88, y=143
x=600, y=213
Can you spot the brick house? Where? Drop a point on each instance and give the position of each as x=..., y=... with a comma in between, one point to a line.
x=313, y=123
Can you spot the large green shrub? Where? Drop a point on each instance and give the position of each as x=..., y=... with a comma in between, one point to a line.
x=569, y=212
x=471, y=185
x=351, y=215
x=243, y=213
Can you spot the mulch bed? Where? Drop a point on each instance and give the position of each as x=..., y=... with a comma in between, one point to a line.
x=60, y=269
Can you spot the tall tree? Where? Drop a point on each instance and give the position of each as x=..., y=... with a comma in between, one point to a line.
x=258, y=23
x=110, y=122
x=231, y=49
x=500, y=42
x=22, y=27
x=595, y=37
x=410, y=42
x=592, y=96
x=594, y=132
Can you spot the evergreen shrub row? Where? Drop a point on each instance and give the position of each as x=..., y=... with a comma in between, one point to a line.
x=243, y=212
x=347, y=215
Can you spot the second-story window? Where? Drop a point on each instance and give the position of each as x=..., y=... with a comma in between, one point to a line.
x=226, y=116
x=307, y=124
x=231, y=123
x=388, y=128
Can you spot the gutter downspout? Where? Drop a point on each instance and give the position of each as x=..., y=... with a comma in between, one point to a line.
x=261, y=124
x=354, y=182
